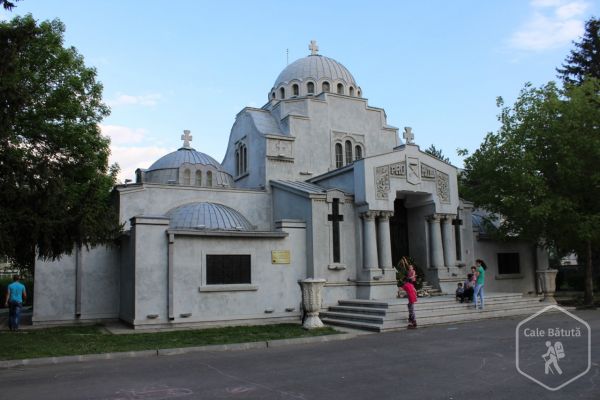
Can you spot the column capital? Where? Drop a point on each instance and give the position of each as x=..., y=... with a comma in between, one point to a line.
x=385, y=215
x=369, y=215
x=434, y=218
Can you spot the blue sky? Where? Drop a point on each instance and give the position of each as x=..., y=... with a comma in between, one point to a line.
x=436, y=66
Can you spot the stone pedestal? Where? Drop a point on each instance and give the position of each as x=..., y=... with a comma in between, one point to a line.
x=547, y=283
x=311, y=301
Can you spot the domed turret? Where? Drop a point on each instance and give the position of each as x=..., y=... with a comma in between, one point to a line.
x=312, y=75
x=208, y=216
x=186, y=167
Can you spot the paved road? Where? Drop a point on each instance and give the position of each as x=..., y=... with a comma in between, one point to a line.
x=466, y=361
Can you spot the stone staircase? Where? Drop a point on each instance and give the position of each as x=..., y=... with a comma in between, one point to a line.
x=385, y=315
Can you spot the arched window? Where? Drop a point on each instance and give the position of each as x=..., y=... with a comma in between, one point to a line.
x=358, y=152
x=273, y=95
x=326, y=86
x=340, y=89
x=209, y=178
x=310, y=88
x=351, y=91
x=339, y=157
x=358, y=93
x=186, y=177
x=348, y=152
x=198, y=178
x=295, y=90
x=282, y=93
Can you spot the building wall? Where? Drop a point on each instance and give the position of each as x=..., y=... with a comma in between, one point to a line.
x=523, y=282
x=56, y=287
x=274, y=293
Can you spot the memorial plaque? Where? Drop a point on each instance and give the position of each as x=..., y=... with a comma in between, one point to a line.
x=280, y=257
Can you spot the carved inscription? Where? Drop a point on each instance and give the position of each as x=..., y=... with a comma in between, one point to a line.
x=398, y=169
x=280, y=148
x=442, y=183
x=382, y=181
x=427, y=172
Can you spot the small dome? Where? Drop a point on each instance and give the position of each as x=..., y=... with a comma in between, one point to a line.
x=182, y=156
x=315, y=67
x=208, y=216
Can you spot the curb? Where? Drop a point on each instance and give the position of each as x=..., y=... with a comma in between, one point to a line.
x=176, y=351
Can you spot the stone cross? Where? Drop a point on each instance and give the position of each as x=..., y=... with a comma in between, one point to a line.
x=408, y=135
x=336, y=218
x=187, y=138
x=313, y=47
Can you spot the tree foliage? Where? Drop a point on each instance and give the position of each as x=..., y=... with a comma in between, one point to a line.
x=8, y=5
x=540, y=169
x=584, y=60
x=55, y=182
x=437, y=153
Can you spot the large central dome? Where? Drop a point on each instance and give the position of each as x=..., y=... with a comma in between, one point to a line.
x=312, y=75
x=315, y=67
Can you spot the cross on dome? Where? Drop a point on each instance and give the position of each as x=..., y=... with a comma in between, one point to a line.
x=187, y=138
x=313, y=47
x=408, y=135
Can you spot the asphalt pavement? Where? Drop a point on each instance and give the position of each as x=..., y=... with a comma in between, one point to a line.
x=462, y=361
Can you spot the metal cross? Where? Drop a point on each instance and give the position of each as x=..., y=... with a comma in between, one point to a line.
x=187, y=138
x=336, y=218
x=313, y=47
x=408, y=135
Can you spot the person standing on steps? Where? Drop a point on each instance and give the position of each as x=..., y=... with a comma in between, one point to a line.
x=15, y=296
x=480, y=281
x=411, y=293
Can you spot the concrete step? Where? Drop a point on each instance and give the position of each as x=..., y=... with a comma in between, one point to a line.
x=364, y=303
x=358, y=310
x=353, y=324
x=370, y=319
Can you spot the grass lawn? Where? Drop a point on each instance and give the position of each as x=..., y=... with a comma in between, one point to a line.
x=78, y=340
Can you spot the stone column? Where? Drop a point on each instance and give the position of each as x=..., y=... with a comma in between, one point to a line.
x=448, y=242
x=435, y=242
x=370, y=240
x=384, y=244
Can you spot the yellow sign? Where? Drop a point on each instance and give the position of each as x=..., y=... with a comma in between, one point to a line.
x=280, y=257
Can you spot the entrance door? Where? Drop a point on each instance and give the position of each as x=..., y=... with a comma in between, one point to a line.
x=399, y=232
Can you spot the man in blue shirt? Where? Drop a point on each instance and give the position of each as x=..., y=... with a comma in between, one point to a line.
x=15, y=296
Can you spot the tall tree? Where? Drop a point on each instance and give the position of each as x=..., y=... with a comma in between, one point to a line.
x=584, y=60
x=539, y=170
x=55, y=182
x=437, y=153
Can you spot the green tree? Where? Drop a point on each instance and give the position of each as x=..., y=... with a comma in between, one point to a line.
x=540, y=169
x=584, y=60
x=437, y=153
x=8, y=5
x=55, y=183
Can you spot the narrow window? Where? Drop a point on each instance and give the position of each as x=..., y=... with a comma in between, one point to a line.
x=209, y=178
x=198, y=178
x=358, y=93
x=245, y=159
x=326, y=86
x=508, y=263
x=295, y=90
x=282, y=93
x=228, y=269
x=339, y=157
x=273, y=95
x=348, y=152
x=340, y=89
x=358, y=152
x=310, y=88
x=238, y=170
x=351, y=91
x=186, y=177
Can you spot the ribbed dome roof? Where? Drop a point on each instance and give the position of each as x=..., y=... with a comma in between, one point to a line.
x=182, y=156
x=315, y=67
x=208, y=216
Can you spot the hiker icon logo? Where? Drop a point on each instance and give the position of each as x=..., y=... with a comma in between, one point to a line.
x=563, y=341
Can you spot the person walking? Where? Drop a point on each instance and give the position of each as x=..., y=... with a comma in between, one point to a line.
x=480, y=281
x=411, y=293
x=15, y=296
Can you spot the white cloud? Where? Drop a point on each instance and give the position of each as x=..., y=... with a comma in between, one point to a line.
x=132, y=158
x=120, y=135
x=553, y=23
x=147, y=100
